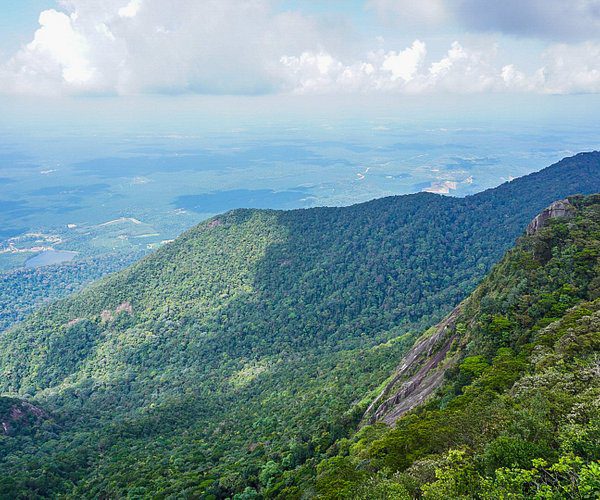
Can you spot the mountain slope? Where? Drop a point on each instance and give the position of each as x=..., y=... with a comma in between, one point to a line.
x=252, y=342
x=517, y=412
x=26, y=289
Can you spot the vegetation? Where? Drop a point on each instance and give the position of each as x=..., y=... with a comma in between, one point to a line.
x=519, y=416
x=25, y=289
x=236, y=359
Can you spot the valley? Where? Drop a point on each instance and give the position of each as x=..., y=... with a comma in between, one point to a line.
x=74, y=185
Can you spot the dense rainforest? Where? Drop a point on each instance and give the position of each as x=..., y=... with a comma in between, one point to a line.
x=240, y=359
x=518, y=412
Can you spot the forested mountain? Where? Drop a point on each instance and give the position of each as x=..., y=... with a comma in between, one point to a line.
x=517, y=413
x=234, y=358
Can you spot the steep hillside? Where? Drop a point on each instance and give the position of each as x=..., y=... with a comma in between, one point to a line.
x=252, y=343
x=25, y=289
x=515, y=407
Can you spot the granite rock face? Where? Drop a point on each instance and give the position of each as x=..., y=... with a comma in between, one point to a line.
x=423, y=367
x=419, y=375
x=560, y=208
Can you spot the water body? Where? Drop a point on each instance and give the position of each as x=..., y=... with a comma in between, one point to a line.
x=50, y=257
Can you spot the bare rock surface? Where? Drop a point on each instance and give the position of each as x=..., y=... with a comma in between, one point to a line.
x=16, y=413
x=418, y=376
x=560, y=208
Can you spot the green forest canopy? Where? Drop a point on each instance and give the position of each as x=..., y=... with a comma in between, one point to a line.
x=252, y=343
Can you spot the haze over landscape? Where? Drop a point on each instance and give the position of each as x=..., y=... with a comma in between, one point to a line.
x=156, y=276
x=208, y=106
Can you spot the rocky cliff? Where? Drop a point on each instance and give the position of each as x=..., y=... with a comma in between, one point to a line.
x=560, y=208
x=422, y=370
x=420, y=373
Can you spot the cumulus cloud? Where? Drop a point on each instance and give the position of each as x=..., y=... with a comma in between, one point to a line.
x=248, y=47
x=131, y=9
x=405, y=63
x=570, y=69
x=56, y=49
x=461, y=70
x=129, y=46
x=565, y=69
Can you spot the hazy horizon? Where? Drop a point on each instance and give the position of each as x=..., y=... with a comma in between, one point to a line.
x=169, y=112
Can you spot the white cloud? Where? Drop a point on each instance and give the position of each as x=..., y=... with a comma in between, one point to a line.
x=248, y=47
x=312, y=72
x=565, y=69
x=510, y=75
x=131, y=9
x=405, y=63
x=57, y=49
x=465, y=70
x=172, y=46
x=460, y=70
x=455, y=54
x=61, y=44
x=570, y=69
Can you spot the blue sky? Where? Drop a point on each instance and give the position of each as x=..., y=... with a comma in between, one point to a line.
x=18, y=21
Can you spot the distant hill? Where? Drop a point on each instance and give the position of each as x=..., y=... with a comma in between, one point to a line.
x=252, y=343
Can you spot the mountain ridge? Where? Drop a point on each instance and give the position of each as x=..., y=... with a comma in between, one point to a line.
x=516, y=414
x=255, y=337
x=420, y=381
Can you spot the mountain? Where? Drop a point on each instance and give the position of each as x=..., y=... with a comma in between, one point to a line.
x=514, y=411
x=252, y=343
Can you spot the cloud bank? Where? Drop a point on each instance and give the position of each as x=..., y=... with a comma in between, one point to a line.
x=128, y=47
x=567, y=69
x=167, y=46
x=558, y=20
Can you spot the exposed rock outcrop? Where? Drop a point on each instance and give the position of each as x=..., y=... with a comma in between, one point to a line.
x=420, y=374
x=16, y=415
x=560, y=208
x=423, y=367
x=108, y=315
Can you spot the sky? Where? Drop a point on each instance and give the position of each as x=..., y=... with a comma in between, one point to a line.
x=125, y=47
x=57, y=57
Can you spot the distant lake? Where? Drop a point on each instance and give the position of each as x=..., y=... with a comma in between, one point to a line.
x=50, y=257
